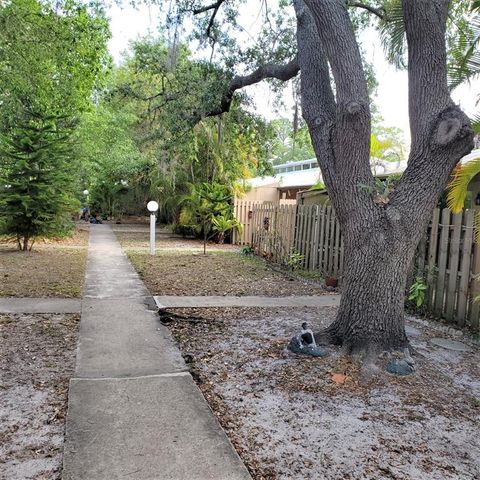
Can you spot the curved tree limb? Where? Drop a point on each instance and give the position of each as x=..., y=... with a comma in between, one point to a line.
x=380, y=13
x=281, y=72
x=215, y=7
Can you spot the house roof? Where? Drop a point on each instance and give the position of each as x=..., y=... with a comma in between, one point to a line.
x=307, y=178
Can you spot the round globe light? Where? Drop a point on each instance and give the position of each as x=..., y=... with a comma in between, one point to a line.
x=85, y=192
x=152, y=206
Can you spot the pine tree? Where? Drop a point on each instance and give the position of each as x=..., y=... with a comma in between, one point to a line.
x=36, y=190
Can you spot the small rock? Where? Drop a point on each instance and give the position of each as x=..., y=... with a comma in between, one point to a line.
x=450, y=344
x=402, y=366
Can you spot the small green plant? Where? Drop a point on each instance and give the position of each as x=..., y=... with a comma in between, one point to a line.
x=294, y=259
x=417, y=291
x=221, y=225
x=247, y=250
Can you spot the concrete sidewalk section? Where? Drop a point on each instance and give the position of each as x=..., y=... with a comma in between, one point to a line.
x=134, y=411
x=146, y=428
x=40, y=305
x=164, y=302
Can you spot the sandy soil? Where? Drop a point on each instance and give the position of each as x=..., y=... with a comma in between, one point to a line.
x=293, y=417
x=37, y=355
x=51, y=269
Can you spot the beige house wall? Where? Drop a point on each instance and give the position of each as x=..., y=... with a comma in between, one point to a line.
x=267, y=193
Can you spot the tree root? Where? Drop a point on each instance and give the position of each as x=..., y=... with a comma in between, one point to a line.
x=396, y=360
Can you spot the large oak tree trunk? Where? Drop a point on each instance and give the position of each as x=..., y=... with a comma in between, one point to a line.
x=380, y=236
x=371, y=313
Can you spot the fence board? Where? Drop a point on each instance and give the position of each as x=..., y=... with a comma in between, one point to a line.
x=453, y=266
x=442, y=261
x=432, y=257
x=316, y=235
x=465, y=268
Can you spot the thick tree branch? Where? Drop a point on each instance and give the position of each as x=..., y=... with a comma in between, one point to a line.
x=350, y=136
x=206, y=8
x=215, y=7
x=380, y=13
x=440, y=131
x=281, y=72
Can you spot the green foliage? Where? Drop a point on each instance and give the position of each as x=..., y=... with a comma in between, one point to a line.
x=458, y=186
x=142, y=142
x=291, y=143
x=294, y=260
x=51, y=59
x=36, y=191
x=205, y=203
x=247, y=250
x=318, y=187
x=417, y=291
x=221, y=225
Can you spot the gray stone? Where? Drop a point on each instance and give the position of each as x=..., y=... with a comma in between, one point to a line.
x=412, y=331
x=145, y=428
x=450, y=344
x=296, y=346
x=401, y=366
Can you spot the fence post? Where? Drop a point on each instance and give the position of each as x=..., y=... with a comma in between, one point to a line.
x=475, y=289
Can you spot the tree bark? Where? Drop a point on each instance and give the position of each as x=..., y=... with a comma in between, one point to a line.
x=380, y=238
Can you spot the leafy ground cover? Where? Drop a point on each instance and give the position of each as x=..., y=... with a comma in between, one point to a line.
x=295, y=417
x=290, y=416
x=180, y=268
x=51, y=269
x=37, y=357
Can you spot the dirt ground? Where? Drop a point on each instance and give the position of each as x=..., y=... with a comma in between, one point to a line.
x=37, y=356
x=51, y=269
x=180, y=268
x=293, y=417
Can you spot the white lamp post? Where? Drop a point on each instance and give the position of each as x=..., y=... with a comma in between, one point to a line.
x=152, y=207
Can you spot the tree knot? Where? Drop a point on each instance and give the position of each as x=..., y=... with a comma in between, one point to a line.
x=353, y=108
x=453, y=125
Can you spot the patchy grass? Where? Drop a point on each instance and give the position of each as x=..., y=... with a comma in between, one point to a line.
x=54, y=268
x=180, y=268
x=37, y=358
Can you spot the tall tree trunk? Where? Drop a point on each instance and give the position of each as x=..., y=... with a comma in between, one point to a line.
x=371, y=313
x=380, y=237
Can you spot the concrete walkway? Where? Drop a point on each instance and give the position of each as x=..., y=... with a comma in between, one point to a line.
x=134, y=410
x=164, y=302
x=40, y=305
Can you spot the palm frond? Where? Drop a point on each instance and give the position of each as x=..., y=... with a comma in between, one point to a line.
x=465, y=63
x=475, y=124
x=392, y=33
x=476, y=226
x=458, y=187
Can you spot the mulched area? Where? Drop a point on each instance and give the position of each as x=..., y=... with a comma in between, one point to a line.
x=180, y=268
x=37, y=357
x=290, y=416
x=54, y=268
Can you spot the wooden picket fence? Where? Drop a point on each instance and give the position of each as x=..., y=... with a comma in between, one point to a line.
x=448, y=258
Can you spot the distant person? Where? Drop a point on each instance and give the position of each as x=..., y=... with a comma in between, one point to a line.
x=84, y=215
